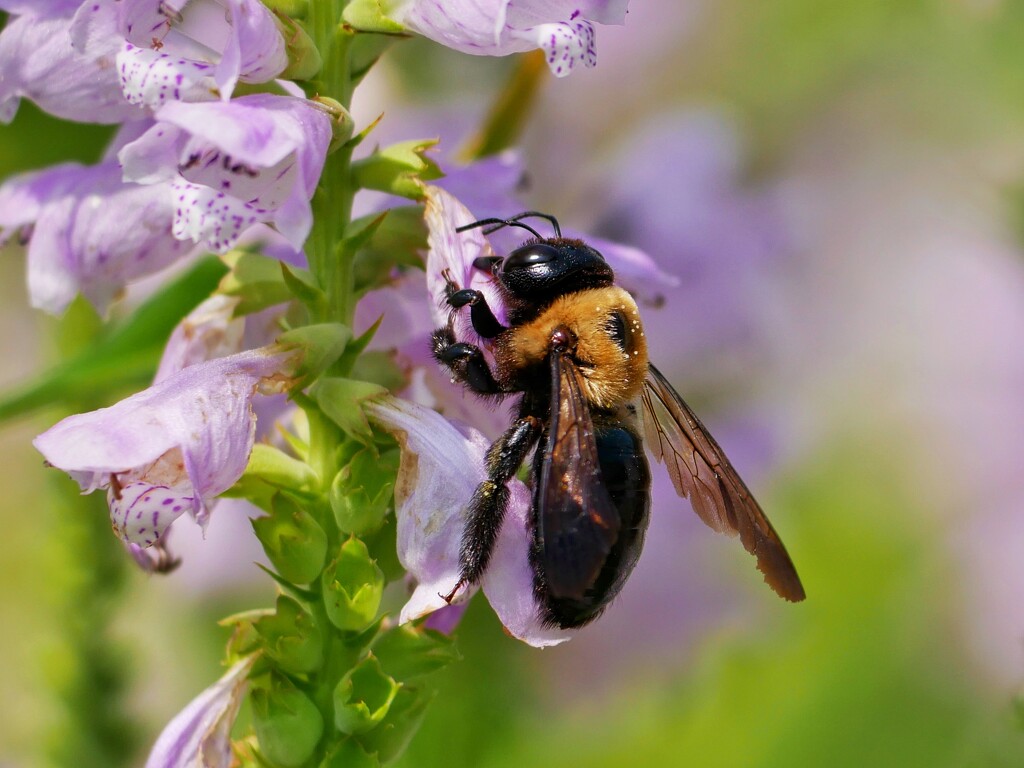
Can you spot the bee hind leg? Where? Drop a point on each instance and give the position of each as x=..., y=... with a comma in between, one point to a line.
x=490, y=501
x=466, y=362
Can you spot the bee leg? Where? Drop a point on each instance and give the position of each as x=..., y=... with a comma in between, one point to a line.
x=490, y=501
x=480, y=313
x=466, y=362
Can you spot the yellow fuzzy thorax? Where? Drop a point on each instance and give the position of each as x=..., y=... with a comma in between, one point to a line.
x=612, y=376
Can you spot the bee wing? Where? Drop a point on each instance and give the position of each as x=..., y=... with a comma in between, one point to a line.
x=701, y=472
x=577, y=520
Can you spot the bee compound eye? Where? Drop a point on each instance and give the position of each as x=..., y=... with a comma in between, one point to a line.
x=530, y=255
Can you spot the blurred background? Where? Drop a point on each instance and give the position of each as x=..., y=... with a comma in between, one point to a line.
x=840, y=189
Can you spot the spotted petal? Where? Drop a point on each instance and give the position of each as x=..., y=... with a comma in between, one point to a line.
x=172, y=448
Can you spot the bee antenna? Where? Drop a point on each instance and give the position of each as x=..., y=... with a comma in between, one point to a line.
x=538, y=215
x=495, y=224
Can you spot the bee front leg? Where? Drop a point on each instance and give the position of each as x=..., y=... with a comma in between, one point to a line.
x=490, y=501
x=466, y=362
x=480, y=313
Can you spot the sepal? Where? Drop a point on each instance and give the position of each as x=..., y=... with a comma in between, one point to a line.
x=342, y=401
x=362, y=490
x=269, y=470
x=390, y=738
x=369, y=16
x=353, y=585
x=288, y=725
x=363, y=697
x=304, y=59
x=291, y=637
x=294, y=542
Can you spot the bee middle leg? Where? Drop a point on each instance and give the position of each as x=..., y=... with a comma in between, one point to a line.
x=490, y=500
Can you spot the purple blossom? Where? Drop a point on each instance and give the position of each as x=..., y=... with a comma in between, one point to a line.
x=200, y=735
x=172, y=448
x=196, y=51
x=562, y=28
x=61, y=55
x=232, y=164
x=441, y=466
x=87, y=231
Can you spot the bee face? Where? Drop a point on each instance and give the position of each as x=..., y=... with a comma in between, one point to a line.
x=541, y=269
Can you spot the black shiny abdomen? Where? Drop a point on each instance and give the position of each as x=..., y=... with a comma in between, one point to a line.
x=628, y=481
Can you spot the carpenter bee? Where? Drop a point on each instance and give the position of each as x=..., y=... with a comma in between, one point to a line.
x=575, y=353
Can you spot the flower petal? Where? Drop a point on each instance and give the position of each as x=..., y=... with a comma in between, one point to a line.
x=451, y=256
x=151, y=78
x=40, y=63
x=499, y=27
x=255, y=159
x=190, y=435
x=210, y=331
x=440, y=468
x=92, y=233
x=200, y=735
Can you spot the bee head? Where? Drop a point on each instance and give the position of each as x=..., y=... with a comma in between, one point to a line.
x=545, y=268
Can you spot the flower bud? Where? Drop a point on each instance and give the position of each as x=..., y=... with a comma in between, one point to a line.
x=294, y=542
x=352, y=586
x=408, y=651
x=361, y=492
x=362, y=697
x=288, y=725
x=390, y=738
x=291, y=637
x=304, y=59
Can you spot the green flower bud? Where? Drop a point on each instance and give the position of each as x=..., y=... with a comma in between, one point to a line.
x=288, y=725
x=304, y=59
x=362, y=697
x=291, y=637
x=321, y=344
x=400, y=169
x=352, y=586
x=294, y=542
x=361, y=492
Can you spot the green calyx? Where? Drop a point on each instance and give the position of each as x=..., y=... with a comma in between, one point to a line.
x=352, y=586
x=363, y=697
x=293, y=540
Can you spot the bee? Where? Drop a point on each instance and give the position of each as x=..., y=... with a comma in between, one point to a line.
x=575, y=354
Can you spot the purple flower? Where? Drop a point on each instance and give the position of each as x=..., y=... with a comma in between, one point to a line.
x=232, y=164
x=440, y=468
x=561, y=28
x=172, y=448
x=195, y=51
x=61, y=55
x=200, y=735
x=87, y=231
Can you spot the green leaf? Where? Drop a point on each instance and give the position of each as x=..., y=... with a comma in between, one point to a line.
x=288, y=725
x=292, y=539
x=397, y=243
x=362, y=697
x=408, y=651
x=301, y=285
x=400, y=169
x=342, y=401
x=370, y=16
x=390, y=738
x=256, y=281
x=126, y=355
x=349, y=754
x=352, y=586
